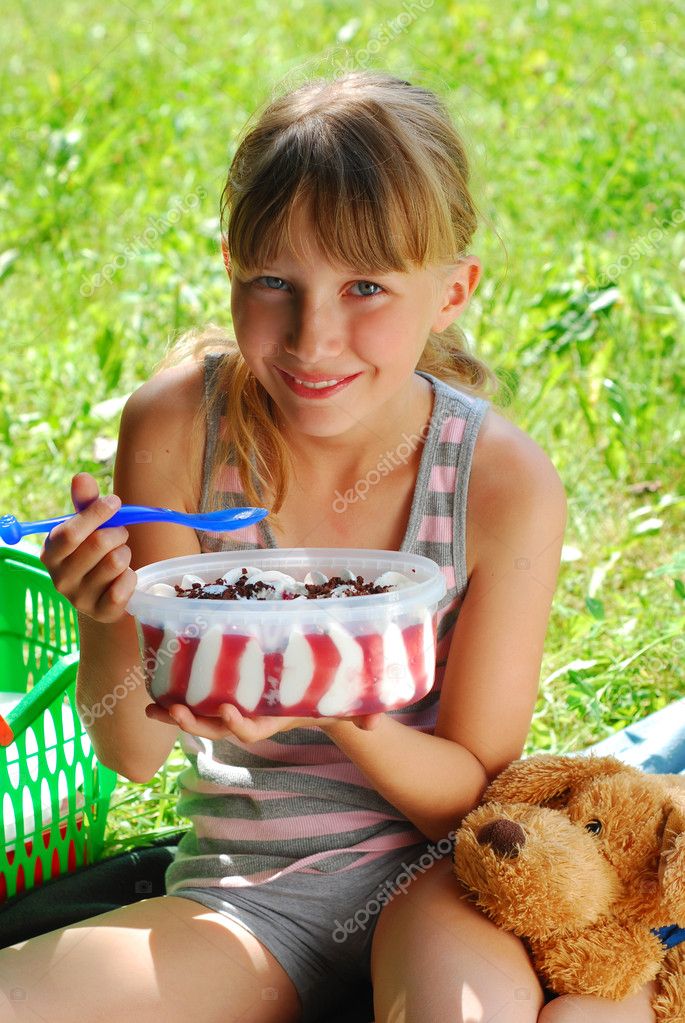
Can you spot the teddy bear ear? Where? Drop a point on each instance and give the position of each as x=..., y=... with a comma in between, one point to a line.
x=547, y=780
x=672, y=859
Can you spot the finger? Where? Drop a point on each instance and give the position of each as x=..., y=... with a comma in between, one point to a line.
x=112, y=579
x=86, y=560
x=84, y=490
x=243, y=728
x=207, y=728
x=253, y=729
x=157, y=713
x=367, y=722
x=229, y=714
x=65, y=538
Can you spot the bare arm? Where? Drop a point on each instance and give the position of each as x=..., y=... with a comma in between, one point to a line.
x=151, y=468
x=517, y=520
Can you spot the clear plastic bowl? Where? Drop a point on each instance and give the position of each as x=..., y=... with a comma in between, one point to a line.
x=331, y=657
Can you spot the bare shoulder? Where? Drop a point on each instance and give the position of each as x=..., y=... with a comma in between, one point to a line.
x=514, y=485
x=161, y=435
x=176, y=387
x=505, y=459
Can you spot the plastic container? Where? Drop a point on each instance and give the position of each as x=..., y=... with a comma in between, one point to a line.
x=54, y=793
x=332, y=657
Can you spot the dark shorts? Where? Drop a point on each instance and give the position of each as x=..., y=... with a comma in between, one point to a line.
x=320, y=926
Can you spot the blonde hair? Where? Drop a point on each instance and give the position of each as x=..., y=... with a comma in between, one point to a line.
x=385, y=172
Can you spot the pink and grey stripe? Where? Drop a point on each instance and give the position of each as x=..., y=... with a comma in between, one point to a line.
x=296, y=802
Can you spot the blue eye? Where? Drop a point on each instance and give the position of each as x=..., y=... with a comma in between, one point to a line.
x=278, y=284
x=373, y=294
x=271, y=279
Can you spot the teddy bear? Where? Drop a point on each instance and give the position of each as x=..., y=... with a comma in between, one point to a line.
x=583, y=857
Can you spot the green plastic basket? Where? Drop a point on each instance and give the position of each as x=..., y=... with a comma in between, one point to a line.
x=54, y=793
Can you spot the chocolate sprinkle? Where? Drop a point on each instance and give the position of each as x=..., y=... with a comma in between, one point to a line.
x=241, y=588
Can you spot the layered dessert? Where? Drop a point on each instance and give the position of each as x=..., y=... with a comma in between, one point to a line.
x=328, y=670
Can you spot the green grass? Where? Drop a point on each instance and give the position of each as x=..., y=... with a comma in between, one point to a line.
x=114, y=116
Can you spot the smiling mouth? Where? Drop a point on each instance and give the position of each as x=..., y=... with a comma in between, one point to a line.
x=318, y=385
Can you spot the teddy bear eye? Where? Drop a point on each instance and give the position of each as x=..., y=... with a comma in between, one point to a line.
x=594, y=827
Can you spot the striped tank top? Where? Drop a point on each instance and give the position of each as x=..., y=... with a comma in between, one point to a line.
x=295, y=801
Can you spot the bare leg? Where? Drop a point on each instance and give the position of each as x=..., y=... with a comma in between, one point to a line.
x=160, y=960
x=586, y=1009
x=437, y=959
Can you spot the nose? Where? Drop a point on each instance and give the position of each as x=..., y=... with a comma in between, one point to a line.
x=315, y=335
x=506, y=838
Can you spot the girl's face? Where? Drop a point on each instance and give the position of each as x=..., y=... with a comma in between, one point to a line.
x=303, y=316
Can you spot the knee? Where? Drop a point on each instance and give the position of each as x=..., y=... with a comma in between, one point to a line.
x=569, y=1009
x=566, y=1009
x=560, y=1010
x=440, y=958
x=581, y=1008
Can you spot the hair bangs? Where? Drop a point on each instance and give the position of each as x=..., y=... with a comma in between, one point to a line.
x=366, y=209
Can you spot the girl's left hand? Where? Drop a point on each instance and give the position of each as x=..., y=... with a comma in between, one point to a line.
x=232, y=723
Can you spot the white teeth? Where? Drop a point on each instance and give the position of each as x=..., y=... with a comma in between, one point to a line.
x=322, y=383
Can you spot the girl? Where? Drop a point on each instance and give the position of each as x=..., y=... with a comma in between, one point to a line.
x=319, y=854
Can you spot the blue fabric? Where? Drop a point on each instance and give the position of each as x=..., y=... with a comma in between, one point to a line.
x=670, y=936
x=655, y=744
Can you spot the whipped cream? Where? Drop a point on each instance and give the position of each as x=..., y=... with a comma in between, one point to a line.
x=280, y=584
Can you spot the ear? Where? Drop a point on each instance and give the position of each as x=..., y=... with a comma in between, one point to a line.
x=546, y=780
x=227, y=258
x=458, y=285
x=672, y=859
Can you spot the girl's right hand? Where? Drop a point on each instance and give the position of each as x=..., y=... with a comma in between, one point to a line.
x=89, y=566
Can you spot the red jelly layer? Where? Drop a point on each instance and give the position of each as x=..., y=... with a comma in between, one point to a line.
x=150, y=643
x=372, y=648
x=225, y=677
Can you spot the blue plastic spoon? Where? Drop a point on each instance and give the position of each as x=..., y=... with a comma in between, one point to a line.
x=11, y=531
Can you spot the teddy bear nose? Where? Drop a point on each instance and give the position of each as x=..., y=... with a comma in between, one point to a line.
x=505, y=837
